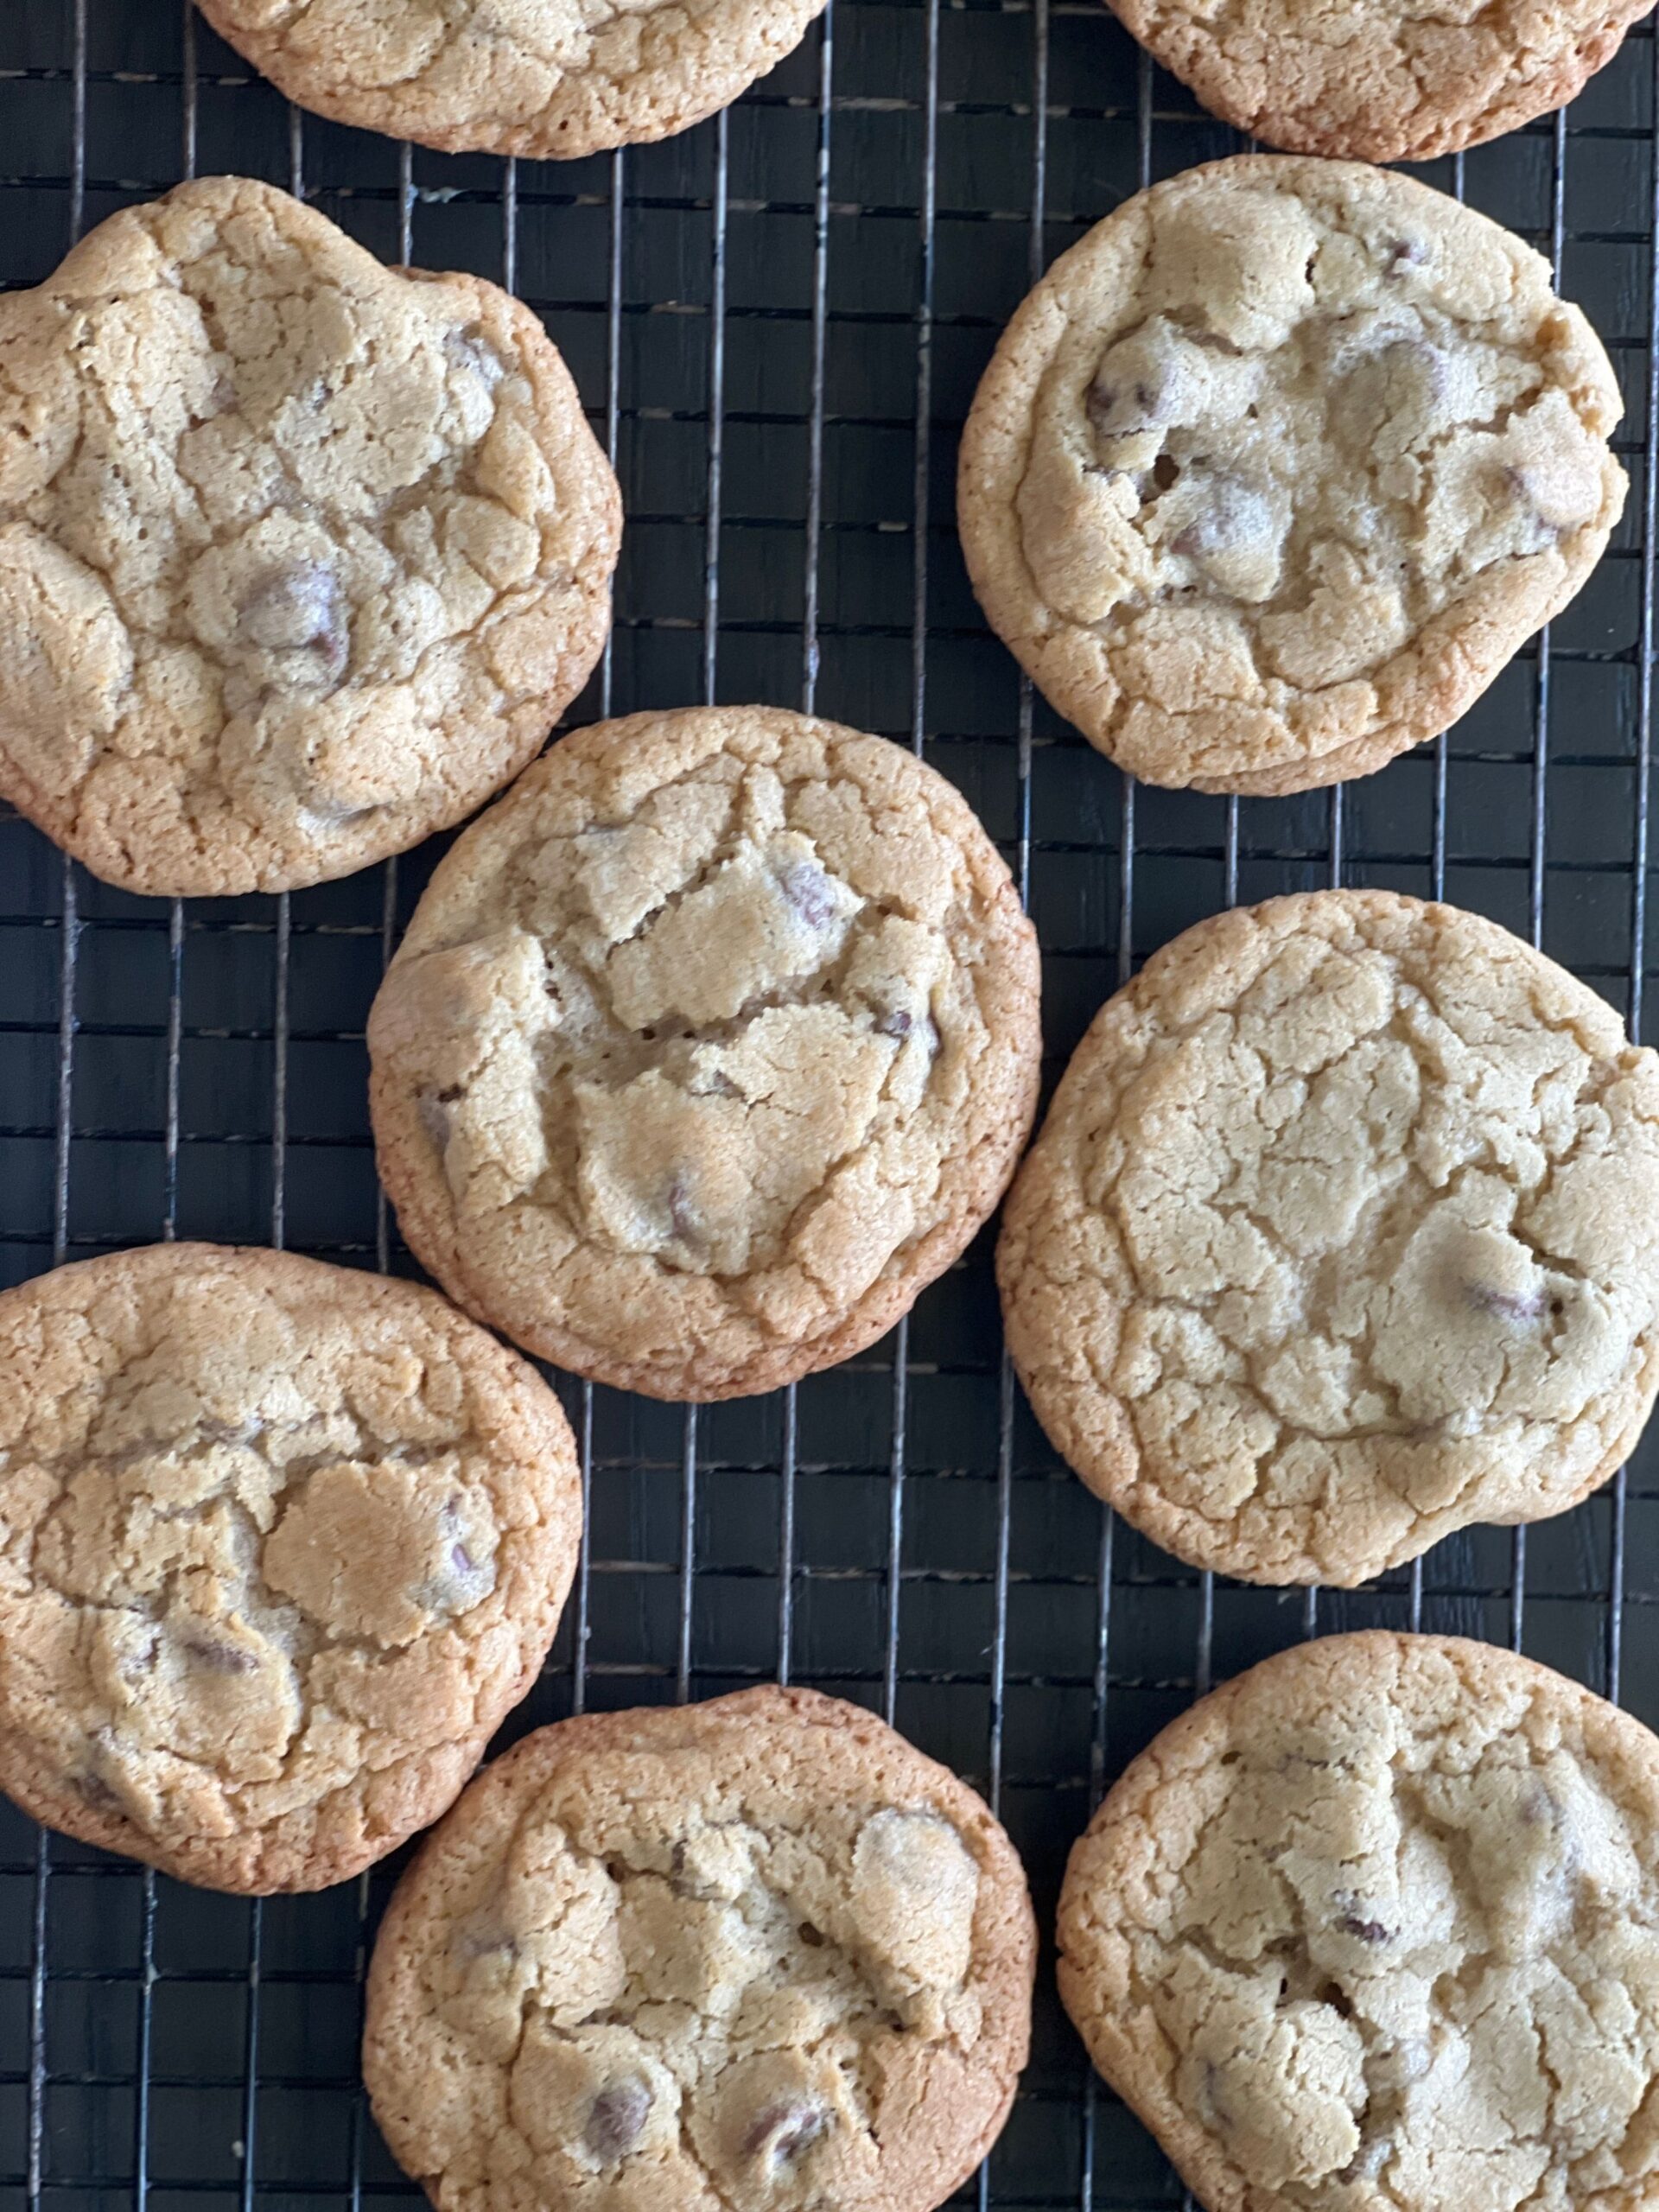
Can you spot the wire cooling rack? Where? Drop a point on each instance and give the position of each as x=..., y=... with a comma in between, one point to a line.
x=778, y=322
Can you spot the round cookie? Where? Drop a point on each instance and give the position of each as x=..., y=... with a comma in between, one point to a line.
x=755, y=1955
x=1274, y=470
x=195, y=1442
x=300, y=557
x=1393, y=81
x=544, y=78
x=708, y=1047
x=1342, y=1232
x=1373, y=1930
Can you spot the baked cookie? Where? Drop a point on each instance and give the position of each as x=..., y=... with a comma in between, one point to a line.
x=547, y=78
x=1342, y=1232
x=1394, y=82
x=1373, y=1930
x=1277, y=468
x=709, y=1046
x=280, y=1545
x=300, y=557
x=756, y=1956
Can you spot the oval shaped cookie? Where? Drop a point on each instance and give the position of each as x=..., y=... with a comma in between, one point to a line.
x=1394, y=82
x=707, y=1048
x=1273, y=473
x=300, y=557
x=1342, y=1232
x=754, y=1953
x=1373, y=1930
x=543, y=78
x=280, y=1546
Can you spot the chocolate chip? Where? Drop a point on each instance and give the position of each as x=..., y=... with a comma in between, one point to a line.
x=616, y=2119
x=141, y=1659
x=1403, y=254
x=220, y=1658
x=811, y=1936
x=1121, y=408
x=1166, y=471
x=1237, y=514
x=432, y=1107
x=681, y=1214
x=481, y=1935
x=785, y=2132
x=809, y=892
x=896, y=1024
x=469, y=349
x=1365, y=1931
x=1506, y=1304
x=297, y=609
x=1368, y=2160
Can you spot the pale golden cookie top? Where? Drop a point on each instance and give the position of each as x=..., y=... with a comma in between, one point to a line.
x=1373, y=1930
x=1342, y=1232
x=1394, y=80
x=545, y=78
x=300, y=555
x=280, y=1543
x=758, y=1955
x=707, y=1046
x=1273, y=471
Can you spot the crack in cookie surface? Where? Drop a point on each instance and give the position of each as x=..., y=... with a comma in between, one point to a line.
x=1343, y=1232
x=759, y=1955
x=299, y=556
x=279, y=1545
x=1375, y=1928
x=544, y=77
x=1272, y=473
x=721, y=1025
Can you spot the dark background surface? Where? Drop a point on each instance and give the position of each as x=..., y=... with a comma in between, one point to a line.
x=778, y=322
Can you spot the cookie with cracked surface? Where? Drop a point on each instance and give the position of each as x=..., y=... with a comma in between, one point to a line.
x=300, y=557
x=1342, y=1233
x=549, y=78
x=1398, y=81
x=1273, y=471
x=280, y=1545
x=755, y=1955
x=1372, y=1929
x=709, y=1046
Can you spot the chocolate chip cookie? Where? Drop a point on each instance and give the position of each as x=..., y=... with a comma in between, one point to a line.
x=1394, y=82
x=709, y=1046
x=280, y=1545
x=1373, y=1930
x=300, y=557
x=1342, y=1232
x=749, y=1956
x=1274, y=471
x=546, y=77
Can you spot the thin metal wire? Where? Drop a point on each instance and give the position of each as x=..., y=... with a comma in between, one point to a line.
x=581, y=1664
x=1537, y=861
x=920, y=509
x=1617, y=1595
x=788, y=1456
x=715, y=494
x=69, y=950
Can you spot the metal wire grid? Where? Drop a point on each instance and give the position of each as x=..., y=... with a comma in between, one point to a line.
x=159, y=2044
